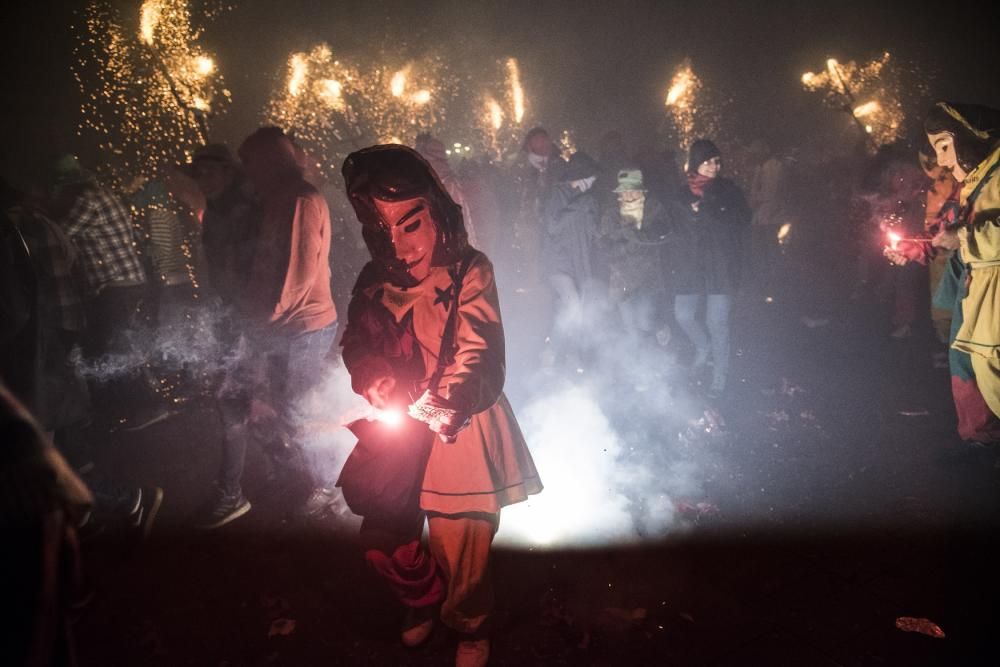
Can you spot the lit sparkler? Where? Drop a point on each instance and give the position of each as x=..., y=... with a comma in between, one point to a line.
x=870, y=93
x=148, y=93
x=502, y=111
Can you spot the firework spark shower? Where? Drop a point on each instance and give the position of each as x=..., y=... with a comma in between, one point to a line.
x=150, y=85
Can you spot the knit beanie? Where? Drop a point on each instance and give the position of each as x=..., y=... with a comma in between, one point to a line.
x=700, y=151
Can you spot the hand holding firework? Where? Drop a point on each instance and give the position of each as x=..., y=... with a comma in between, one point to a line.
x=439, y=416
x=900, y=251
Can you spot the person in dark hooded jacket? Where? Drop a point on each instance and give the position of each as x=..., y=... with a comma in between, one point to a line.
x=708, y=256
x=570, y=219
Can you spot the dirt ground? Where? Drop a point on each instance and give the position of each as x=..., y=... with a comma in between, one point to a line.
x=836, y=503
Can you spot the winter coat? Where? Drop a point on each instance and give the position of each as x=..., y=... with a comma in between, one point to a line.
x=709, y=252
x=489, y=465
x=570, y=221
x=635, y=256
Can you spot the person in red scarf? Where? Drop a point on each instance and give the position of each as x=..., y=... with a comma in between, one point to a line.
x=707, y=259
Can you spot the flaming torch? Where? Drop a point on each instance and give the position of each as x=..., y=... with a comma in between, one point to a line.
x=516, y=91
x=869, y=93
x=148, y=91
x=681, y=102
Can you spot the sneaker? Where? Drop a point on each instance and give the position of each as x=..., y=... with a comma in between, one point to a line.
x=319, y=503
x=472, y=653
x=223, y=508
x=417, y=625
x=145, y=514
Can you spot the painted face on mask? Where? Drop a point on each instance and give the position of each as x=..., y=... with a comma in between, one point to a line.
x=413, y=233
x=944, y=148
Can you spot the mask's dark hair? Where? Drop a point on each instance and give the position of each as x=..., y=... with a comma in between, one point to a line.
x=392, y=172
x=975, y=128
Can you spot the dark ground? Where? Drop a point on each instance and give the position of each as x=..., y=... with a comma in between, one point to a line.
x=837, y=513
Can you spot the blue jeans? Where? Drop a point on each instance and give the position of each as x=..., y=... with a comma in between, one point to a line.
x=716, y=339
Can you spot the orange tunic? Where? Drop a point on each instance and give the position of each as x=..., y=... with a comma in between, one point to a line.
x=489, y=465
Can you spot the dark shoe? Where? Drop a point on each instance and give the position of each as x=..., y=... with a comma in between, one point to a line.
x=117, y=501
x=319, y=503
x=223, y=509
x=146, y=418
x=149, y=506
x=417, y=625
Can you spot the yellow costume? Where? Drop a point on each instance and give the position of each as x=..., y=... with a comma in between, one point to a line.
x=979, y=335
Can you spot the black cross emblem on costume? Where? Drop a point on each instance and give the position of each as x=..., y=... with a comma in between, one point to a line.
x=444, y=296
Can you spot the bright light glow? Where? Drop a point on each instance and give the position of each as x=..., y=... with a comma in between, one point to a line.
x=516, y=91
x=149, y=18
x=495, y=113
x=298, y=70
x=331, y=92
x=681, y=87
x=894, y=239
x=574, y=458
x=783, y=232
x=836, y=77
x=389, y=417
x=398, y=83
x=867, y=109
x=422, y=97
x=204, y=65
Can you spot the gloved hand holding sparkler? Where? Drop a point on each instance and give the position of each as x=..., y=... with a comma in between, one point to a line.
x=439, y=415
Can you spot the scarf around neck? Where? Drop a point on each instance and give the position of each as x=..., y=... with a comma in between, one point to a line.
x=697, y=183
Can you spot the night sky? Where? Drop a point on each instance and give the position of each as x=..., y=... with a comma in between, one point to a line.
x=588, y=66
